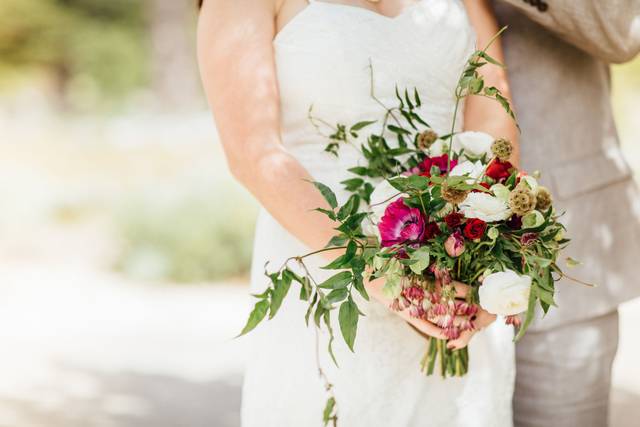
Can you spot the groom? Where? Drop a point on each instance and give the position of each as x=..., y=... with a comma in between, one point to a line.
x=558, y=53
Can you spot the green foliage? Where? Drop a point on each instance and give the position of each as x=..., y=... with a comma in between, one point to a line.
x=95, y=41
x=198, y=238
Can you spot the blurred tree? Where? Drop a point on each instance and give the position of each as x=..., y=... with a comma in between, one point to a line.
x=173, y=69
x=95, y=44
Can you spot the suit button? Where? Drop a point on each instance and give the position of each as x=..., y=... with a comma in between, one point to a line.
x=542, y=6
x=535, y=3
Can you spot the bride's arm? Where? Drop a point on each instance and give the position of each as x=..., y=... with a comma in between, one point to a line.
x=483, y=114
x=236, y=60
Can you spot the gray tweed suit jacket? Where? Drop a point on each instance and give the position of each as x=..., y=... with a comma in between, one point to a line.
x=558, y=54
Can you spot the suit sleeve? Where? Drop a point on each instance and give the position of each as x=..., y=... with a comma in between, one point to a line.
x=609, y=30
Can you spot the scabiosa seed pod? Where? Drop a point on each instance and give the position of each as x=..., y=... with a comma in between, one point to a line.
x=426, y=139
x=543, y=199
x=522, y=200
x=453, y=195
x=502, y=149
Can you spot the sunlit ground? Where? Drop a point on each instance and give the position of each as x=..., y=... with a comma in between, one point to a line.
x=93, y=335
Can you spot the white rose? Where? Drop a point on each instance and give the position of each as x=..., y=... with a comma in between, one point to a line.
x=485, y=207
x=382, y=195
x=501, y=192
x=474, y=143
x=505, y=293
x=470, y=169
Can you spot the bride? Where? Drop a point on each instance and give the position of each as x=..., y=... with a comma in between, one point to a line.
x=263, y=64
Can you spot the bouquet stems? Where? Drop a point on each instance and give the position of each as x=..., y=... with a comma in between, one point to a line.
x=451, y=363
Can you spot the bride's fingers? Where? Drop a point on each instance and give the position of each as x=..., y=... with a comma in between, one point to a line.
x=424, y=326
x=462, y=341
x=462, y=289
x=484, y=319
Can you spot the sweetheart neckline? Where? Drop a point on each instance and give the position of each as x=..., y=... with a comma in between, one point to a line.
x=356, y=9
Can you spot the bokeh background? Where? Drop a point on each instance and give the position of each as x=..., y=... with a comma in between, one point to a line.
x=124, y=243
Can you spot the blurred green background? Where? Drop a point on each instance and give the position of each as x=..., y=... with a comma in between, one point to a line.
x=113, y=85
x=124, y=242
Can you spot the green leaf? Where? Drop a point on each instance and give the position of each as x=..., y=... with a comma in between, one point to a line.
x=490, y=59
x=348, y=318
x=398, y=130
x=327, y=212
x=359, y=170
x=350, y=207
x=343, y=260
x=337, y=295
x=327, y=413
x=358, y=283
x=328, y=195
x=352, y=184
x=257, y=315
x=421, y=258
x=417, y=97
x=407, y=99
x=533, y=297
x=361, y=125
x=280, y=291
x=339, y=240
x=337, y=281
x=327, y=321
x=317, y=316
x=572, y=262
x=314, y=300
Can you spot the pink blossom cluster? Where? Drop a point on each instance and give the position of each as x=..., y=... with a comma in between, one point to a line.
x=452, y=315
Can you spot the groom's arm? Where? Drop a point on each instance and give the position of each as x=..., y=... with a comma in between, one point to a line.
x=609, y=30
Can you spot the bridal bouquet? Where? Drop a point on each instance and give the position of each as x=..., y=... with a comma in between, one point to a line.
x=426, y=211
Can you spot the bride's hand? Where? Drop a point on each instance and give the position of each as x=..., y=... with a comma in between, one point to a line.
x=374, y=288
x=482, y=319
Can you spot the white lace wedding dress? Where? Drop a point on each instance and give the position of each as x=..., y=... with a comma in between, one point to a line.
x=323, y=58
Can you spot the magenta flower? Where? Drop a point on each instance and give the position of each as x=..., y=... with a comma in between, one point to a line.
x=401, y=224
x=454, y=245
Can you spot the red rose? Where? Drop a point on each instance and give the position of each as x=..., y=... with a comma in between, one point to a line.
x=475, y=228
x=499, y=170
x=431, y=230
x=515, y=222
x=439, y=161
x=454, y=219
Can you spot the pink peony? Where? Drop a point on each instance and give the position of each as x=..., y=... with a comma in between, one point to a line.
x=454, y=245
x=401, y=224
